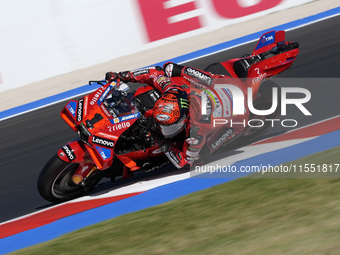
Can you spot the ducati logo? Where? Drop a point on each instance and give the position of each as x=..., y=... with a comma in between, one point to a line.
x=69, y=152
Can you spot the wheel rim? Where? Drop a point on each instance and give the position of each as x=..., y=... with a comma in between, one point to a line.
x=63, y=186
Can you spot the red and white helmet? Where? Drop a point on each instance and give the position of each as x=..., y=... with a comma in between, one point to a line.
x=170, y=111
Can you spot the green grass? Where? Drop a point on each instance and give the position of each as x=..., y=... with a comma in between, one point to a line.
x=245, y=216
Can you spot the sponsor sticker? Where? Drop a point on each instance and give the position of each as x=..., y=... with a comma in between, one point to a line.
x=96, y=96
x=106, y=92
x=184, y=103
x=259, y=78
x=191, y=153
x=124, y=118
x=104, y=153
x=69, y=152
x=119, y=126
x=197, y=74
x=221, y=138
x=193, y=149
x=71, y=106
x=162, y=117
x=163, y=81
x=266, y=39
x=102, y=141
x=140, y=72
x=129, y=117
x=108, y=136
x=80, y=108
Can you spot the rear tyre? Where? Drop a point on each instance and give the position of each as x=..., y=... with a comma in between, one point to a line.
x=263, y=101
x=55, y=181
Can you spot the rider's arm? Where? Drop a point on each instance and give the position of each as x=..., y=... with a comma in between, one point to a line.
x=191, y=74
x=153, y=76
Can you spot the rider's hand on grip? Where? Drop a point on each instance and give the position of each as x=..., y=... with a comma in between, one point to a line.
x=178, y=159
x=111, y=76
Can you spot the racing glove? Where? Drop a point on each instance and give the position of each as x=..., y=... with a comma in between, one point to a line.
x=172, y=70
x=123, y=76
x=176, y=156
x=111, y=76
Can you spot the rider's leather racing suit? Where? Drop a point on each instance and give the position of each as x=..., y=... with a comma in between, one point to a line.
x=200, y=129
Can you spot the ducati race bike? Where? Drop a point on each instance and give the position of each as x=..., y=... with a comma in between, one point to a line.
x=116, y=131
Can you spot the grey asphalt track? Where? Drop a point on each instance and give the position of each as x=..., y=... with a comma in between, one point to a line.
x=29, y=140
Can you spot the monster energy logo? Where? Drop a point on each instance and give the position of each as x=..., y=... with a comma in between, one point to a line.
x=184, y=103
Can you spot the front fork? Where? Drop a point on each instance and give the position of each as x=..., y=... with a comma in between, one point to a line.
x=75, y=152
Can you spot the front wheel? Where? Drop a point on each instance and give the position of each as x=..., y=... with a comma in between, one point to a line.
x=55, y=181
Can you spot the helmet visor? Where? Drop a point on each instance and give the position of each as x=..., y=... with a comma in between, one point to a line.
x=173, y=129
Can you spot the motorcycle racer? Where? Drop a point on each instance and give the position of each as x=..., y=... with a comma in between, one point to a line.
x=184, y=113
x=171, y=110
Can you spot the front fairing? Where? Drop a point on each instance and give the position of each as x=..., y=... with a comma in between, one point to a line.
x=100, y=118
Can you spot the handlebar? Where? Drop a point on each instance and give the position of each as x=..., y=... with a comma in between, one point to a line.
x=102, y=83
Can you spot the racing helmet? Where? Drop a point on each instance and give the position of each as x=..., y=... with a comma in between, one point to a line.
x=170, y=111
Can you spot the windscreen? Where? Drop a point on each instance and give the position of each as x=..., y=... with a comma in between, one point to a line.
x=120, y=102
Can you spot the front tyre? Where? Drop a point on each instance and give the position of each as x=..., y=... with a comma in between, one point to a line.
x=55, y=181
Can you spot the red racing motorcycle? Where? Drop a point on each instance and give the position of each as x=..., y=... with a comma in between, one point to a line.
x=116, y=131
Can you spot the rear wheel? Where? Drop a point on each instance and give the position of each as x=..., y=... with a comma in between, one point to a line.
x=55, y=181
x=261, y=123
